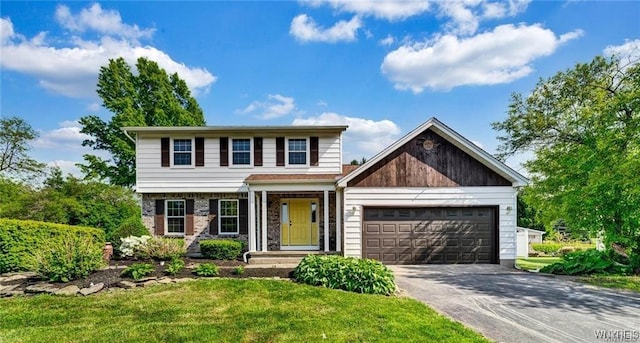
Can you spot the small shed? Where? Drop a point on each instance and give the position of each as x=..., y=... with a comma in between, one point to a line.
x=526, y=236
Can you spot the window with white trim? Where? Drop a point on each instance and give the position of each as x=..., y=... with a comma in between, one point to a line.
x=241, y=151
x=182, y=152
x=228, y=216
x=297, y=151
x=175, y=216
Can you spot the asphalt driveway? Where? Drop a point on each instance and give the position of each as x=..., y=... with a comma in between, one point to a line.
x=507, y=305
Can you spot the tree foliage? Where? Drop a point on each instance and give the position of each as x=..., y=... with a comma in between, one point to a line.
x=70, y=200
x=15, y=135
x=583, y=125
x=149, y=98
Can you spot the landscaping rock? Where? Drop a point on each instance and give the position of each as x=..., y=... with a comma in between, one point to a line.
x=186, y=279
x=127, y=284
x=69, y=290
x=145, y=279
x=12, y=294
x=6, y=290
x=165, y=280
x=17, y=276
x=41, y=288
x=92, y=289
x=149, y=283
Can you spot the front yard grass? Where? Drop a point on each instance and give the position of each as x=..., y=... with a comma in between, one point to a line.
x=226, y=310
x=631, y=283
x=535, y=263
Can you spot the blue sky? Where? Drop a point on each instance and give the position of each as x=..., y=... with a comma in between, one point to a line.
x=380, y=67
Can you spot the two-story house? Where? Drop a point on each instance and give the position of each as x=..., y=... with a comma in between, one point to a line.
x=431, y=197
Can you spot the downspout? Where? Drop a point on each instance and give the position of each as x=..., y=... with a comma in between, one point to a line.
x=128, y=136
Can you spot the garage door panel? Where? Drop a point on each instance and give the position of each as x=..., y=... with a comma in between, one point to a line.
x=429, y=235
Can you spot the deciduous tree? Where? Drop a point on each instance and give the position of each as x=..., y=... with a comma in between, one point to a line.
x=150, y=97
x=15, y=136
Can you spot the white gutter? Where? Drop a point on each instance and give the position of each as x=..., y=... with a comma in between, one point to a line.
x=128, y=136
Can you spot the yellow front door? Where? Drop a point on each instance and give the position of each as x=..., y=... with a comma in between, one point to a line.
x=299, y=223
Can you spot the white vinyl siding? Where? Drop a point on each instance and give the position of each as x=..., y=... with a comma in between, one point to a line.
x=152, y=178
x=503, y=197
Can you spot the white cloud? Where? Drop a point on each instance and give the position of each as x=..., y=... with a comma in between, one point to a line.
x=363, y=138
x=73, y=70
x=381, y=9
x=102, y=21
x=629, y=51
x=387, y=41
x=499, y=56
x=305, y=29
x=276, y=106
x=66, y=137
x=466, y=15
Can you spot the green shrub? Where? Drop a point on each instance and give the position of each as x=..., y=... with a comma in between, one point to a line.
x=547, y=248
x=137, y=271
x=175, y=266
x=346, y=273
x=160, y=248
x=565, y=250
x=586, y=263
x=239, y=270
x=206, y=269
x=21, y=239
x=74, y=258
x=130, y=227
x=221, y=249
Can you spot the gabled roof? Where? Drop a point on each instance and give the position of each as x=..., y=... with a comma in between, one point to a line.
x=454, y=138
x=527, y=229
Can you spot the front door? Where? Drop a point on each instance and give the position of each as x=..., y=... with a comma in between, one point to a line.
x=299, y=224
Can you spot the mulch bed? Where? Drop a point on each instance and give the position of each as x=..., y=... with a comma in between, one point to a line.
x=111, y=277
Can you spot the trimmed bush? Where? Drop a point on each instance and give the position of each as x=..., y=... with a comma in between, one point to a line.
x=160, y=248
x=74, y=258
x=130, y=227
x=206, y=269
x=586, y=263
x=137, y=271
x=20, y=240
x=547, y=248
x=221, y=249
x=346, y=273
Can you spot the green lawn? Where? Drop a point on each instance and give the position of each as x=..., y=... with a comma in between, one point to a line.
x=535, y=263
x=631, y=283
x=225, y=310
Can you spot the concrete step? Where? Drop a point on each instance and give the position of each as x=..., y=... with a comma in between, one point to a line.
x=275, y=260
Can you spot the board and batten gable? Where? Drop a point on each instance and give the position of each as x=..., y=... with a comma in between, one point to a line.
x=432, y=166
x=152, y=177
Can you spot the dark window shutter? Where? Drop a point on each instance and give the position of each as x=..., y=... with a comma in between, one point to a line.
x=199, y=151
x=314, y=150
x=189, y=225
x=213, y=216
x=224, y=151
x=257, y=151
x=159, y=219
x=164, y=148
x=243, y=216
x=279, y=151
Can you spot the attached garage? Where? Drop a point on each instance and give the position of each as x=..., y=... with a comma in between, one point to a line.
x=431, y=197
x=430, y=235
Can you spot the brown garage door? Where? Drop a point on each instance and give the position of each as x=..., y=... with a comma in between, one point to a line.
x=430, y=235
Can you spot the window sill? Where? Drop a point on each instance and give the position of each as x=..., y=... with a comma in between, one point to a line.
x=174, y=235
x=228, y=233
x=240, y=166
x=183, y=167
x=297, y=166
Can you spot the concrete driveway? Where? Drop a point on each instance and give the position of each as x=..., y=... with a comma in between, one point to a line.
x=507, y=305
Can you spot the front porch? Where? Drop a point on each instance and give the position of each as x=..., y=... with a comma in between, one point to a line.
x=293, y=217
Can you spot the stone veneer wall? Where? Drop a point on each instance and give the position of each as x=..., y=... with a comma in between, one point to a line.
x=201, y=217
x=273, y=218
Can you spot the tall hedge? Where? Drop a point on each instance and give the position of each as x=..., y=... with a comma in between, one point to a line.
x=21, y=239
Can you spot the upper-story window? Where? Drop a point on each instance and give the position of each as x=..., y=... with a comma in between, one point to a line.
x=241, y=151
x=297, y=151
x=182, y=151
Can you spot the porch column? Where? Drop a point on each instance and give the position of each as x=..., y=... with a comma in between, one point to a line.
x=264, y=220
x=338, y=219
x=326, y=221
x=252, y=220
